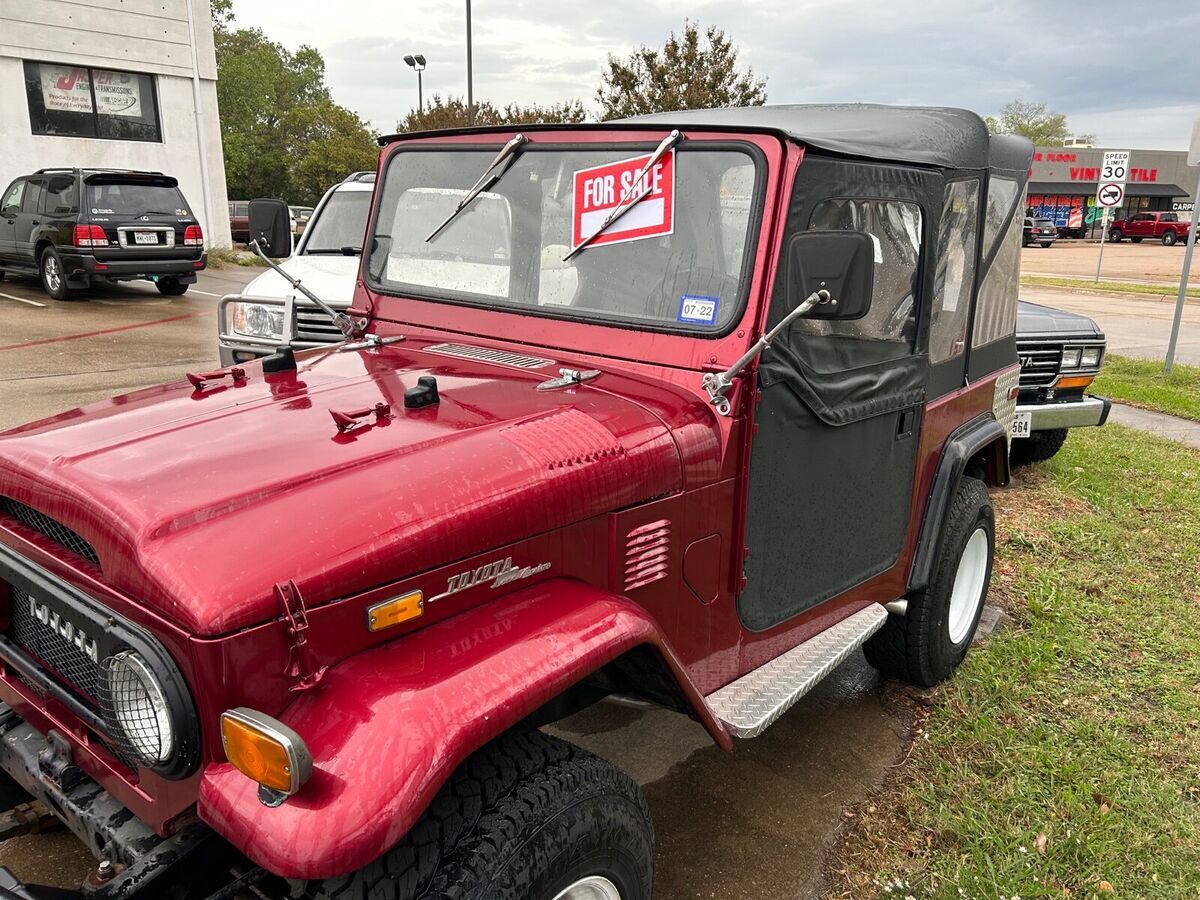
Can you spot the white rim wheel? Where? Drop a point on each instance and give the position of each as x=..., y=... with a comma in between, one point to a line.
x=967, y=593
x=594, y=887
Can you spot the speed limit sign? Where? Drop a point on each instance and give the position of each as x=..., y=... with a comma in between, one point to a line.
x=1111, y=189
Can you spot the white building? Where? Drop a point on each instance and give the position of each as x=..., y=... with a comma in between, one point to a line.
x=122, y=85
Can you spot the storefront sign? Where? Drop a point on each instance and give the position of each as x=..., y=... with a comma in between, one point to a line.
x=1182, y=205
x=66, y=89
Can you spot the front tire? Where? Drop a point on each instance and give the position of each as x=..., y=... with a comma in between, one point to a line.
x=1115, y=235
x=926, y=644
x=53, y=276
x=527, y=817
x=1038, y=447
x=1170, y=239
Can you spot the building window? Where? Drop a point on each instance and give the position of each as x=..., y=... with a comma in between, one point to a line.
x=79, y=101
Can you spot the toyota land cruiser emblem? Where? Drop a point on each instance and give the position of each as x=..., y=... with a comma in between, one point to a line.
x=499, y=573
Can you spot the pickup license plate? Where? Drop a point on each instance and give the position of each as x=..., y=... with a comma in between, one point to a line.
x=1021, y=426
x=145, y=237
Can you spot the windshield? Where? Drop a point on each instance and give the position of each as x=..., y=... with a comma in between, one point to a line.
x=342, y=223
x=135, y=200
x=675, y=260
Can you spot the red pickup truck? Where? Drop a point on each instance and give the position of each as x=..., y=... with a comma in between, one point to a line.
x=1165, y=226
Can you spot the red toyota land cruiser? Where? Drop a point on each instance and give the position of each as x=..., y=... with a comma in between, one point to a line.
x=685, y=408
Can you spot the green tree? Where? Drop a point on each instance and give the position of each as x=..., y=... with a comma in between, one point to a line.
x=1031, y=120
x=691, y=71
x=283, y=136
x=453, y=112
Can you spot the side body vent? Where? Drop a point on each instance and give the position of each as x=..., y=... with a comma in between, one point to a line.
x=44, y=525
x=647, y=554
x=486, y=354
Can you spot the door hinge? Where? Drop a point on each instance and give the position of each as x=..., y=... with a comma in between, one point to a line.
x=301, y=667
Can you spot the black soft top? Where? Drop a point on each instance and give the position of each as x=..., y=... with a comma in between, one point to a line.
x=945, y=137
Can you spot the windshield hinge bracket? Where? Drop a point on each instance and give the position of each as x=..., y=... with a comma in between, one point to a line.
x=302, y=667
x=569, y=378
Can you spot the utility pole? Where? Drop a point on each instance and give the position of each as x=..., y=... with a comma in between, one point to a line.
x=1181, y=299
x=470, y=77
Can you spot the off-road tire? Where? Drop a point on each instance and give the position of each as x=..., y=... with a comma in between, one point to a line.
x=1170, y=239
x=171, y=287
x=1115, y=235
x=917, y=647
x=522, y=819
x=53, y=276
x=1038, y=447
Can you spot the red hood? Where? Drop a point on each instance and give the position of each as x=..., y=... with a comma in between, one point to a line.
x=198, y=502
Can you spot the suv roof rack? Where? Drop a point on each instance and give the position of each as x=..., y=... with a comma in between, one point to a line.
x=362, y=177
x=78, y=170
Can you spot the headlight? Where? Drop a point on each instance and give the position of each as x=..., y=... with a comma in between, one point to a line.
x=139, y=709
x=262, y=320
x=1070, y=358
x=1091, y=357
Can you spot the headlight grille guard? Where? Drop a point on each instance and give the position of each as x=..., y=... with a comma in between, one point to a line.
x=101, y=635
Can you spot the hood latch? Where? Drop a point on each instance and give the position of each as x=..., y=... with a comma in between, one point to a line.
x=569, y=378
x=302, y=667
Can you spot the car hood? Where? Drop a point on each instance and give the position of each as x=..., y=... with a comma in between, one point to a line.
x=1033, y=319
x=330, y=277
x=198, y=502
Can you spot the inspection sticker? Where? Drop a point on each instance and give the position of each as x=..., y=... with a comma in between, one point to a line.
x=695, y=310
x=598, y=191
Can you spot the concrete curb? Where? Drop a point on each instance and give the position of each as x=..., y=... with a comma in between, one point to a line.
x=1172, y=428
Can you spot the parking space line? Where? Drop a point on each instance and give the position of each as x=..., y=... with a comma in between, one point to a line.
x=205, y=293
x=22, y=300
x=72, y=337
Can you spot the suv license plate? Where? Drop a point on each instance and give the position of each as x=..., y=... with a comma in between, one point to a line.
x=145, y=237
x=1022, y=425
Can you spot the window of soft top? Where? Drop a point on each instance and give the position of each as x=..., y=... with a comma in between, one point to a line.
x=507, y=248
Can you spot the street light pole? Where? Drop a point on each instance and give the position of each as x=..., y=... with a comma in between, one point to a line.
x=470, y=79
x=417, y=64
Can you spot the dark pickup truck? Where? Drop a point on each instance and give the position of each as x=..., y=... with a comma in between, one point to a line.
x=1060, y=354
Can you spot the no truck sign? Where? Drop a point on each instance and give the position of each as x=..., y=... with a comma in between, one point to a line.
x=600, y=189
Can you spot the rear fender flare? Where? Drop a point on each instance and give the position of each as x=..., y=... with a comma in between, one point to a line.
x=980, y=444
x=388, y=726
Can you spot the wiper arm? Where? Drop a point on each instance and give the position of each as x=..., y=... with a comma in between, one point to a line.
x=628, y=201
x=508, y=152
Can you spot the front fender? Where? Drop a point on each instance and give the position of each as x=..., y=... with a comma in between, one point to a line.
x=388, y=726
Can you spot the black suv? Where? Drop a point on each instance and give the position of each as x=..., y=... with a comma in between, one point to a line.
x=1038, y=231
x=75, y=227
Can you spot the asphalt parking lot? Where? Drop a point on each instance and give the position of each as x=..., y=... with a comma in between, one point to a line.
x=753, y=824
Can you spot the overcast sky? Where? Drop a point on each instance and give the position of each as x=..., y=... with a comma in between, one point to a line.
x=1127, y=74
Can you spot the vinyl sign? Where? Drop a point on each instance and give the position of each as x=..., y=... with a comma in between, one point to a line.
x=66, y=88
x=598, y=191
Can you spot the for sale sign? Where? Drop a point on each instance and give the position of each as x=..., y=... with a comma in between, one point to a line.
x=601, y=189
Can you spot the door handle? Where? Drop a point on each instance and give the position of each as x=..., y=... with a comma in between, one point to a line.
x=908, y=419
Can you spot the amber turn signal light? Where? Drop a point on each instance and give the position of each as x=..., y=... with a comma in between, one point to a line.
x=265, y=750
x=394, y=611
x=1075, y=381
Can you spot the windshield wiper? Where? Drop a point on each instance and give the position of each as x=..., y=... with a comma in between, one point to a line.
x=334, y=251
x=508, y=152
x=628, y=201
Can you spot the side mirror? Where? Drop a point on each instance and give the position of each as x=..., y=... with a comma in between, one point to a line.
x=271, y=226
x=841, y=262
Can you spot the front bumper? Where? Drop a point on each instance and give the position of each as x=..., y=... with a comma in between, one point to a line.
x=42, y=767
x=1090, y=411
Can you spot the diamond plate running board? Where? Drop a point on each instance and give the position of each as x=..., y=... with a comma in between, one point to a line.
x=750, y=704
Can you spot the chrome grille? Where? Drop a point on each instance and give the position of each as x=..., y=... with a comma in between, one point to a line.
x=314, y=327
x=487, y=354
x=51, y=528
x=1040, y=362
x=55, y=644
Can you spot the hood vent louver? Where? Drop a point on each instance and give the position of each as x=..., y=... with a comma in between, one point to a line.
x=486, y=354
x=50, y=528
x=647, y=554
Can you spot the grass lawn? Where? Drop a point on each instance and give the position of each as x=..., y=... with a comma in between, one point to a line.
x=1063, y=759
x=1140, y=382
x=1120, y=287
